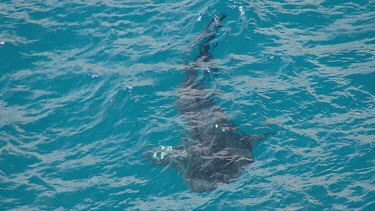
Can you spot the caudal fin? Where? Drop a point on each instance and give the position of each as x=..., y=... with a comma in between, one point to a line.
x=207, y=45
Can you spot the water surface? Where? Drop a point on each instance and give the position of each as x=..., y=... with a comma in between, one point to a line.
x=85, y=88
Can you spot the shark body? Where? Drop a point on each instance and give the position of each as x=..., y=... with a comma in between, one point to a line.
x=214, y=150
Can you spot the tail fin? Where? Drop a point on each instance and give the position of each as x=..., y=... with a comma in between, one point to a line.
x=206, y=45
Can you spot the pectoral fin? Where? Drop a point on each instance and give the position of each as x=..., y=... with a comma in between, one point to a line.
x=198, y=185
x=249, y=141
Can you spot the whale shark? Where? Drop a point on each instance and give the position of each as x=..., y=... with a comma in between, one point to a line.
x=213, y=150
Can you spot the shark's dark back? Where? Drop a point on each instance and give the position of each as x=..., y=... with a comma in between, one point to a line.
x=214, y=150
x=196, y=100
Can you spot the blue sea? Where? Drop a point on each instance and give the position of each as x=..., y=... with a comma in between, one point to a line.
x=87, y=86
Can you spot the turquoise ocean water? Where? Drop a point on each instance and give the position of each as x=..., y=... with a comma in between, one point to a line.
x=87, y=86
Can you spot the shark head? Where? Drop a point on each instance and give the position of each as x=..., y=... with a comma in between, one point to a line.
x=164, y=155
